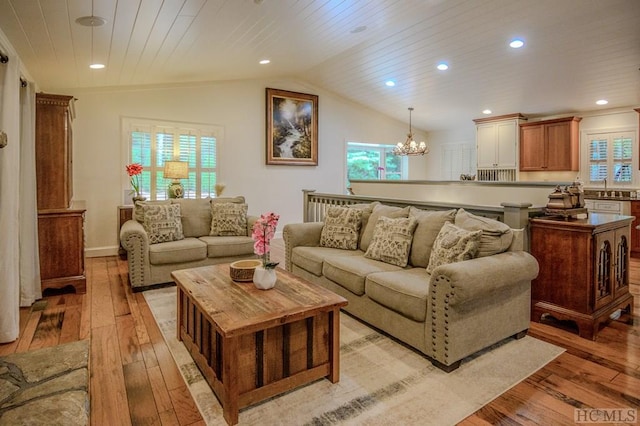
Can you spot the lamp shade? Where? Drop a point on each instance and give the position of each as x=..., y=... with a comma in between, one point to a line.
x=176, y=169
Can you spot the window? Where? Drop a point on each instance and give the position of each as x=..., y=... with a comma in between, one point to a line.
x=611, y=157
x=374, y=161
x=151, y=143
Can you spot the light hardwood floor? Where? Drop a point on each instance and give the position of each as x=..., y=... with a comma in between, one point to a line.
x=134, y=379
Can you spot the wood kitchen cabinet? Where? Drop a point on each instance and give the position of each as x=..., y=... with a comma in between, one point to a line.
x=550, y=145
x=60, y=227
x=497, y=141
x=584, y=269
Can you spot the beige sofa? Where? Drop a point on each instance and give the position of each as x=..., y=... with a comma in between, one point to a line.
x=447, y=311
x=164, y=236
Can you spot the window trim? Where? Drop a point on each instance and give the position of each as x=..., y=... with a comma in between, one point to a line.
x=130, y=123
x=405, y=160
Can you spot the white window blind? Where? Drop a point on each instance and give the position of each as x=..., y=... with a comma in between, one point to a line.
x=611, y=157
x=598, y=167
x=152, y=143
x=622, y=158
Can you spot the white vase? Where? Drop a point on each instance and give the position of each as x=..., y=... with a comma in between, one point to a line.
x=264, y=279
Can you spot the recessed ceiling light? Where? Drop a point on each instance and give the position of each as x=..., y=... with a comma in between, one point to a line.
x=265, y=61
x=443, y=66
x=390, y=83
x=602, y=102
x=487, y=111
x=516, y=43
x=96, y=66
x=359, y=29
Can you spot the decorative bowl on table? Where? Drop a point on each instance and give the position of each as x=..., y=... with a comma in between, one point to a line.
x=242, y=270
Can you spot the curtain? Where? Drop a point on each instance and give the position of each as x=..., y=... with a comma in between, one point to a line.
x=9, y=201
x=29, y=261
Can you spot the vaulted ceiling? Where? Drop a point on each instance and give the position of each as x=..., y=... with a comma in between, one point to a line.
x=575, y=53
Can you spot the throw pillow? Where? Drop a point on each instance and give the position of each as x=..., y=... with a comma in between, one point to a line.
x=391, y=240
x=341, y=228
x=195, y=216
x=496, y=236
x=453, y=244
x=429, y=224
x=238, y=199
x=228, y=219
x=138, y=211
x=367, y=209
x=380, y=210
x=162, y=222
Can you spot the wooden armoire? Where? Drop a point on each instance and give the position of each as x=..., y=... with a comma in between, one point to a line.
x=60, y=221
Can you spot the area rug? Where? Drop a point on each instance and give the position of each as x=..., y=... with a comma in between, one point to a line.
x=46, y=386
x=381, y=381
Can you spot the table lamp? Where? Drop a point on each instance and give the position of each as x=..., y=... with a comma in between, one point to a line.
x=176, y=170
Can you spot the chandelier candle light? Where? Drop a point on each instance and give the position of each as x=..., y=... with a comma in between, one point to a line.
x=264, y=277
x=410, y=146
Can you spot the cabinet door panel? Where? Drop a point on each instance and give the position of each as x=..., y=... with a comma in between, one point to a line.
x=507, y=144
x=621, y=267
x=635, y=233
x=61, y=241
x=53, y=151
x=486, y=141
x=603, y=274
x=559, y=147
x=532, y=148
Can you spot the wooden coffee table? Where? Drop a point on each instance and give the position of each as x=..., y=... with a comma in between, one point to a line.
x=253, y=344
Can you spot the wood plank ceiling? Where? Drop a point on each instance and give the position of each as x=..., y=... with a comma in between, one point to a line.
x=575, y=52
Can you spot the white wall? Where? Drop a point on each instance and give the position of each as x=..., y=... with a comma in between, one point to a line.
x=237, y=106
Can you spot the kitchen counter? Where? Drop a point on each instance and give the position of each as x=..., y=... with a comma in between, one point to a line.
x=623, y=198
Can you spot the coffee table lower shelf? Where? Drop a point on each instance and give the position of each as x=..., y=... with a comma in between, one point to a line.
x=247, y=368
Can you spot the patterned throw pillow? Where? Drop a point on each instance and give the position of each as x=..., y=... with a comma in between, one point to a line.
x=341, y=227
x=379, y=210
x=391, y=240
x=453, y=244
x=162, y=222
x=228, y=219
x=138, y=208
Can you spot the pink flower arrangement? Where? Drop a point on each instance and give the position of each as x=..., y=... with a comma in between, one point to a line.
x=263, y=231
x=134, y=170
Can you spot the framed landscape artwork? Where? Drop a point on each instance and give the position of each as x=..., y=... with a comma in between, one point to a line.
x=292, y=128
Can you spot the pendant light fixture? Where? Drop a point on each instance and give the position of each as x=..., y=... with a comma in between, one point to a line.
x=410, y=146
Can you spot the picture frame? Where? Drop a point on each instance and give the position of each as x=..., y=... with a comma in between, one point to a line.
x=292, y=128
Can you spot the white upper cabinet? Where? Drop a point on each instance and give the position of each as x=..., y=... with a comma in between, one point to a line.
x=497, y=140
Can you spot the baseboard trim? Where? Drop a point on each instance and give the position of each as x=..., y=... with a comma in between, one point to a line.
x=101, y=251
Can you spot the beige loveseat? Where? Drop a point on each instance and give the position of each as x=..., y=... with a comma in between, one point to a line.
x=164, y=236
x=447, y=283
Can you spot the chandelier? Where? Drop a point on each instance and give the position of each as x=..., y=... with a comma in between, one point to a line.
x=410, y=147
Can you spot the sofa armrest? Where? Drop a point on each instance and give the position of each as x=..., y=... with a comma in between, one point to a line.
x=484, y=277
x=135, y=241
x=300, y=234
x=476, y=303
